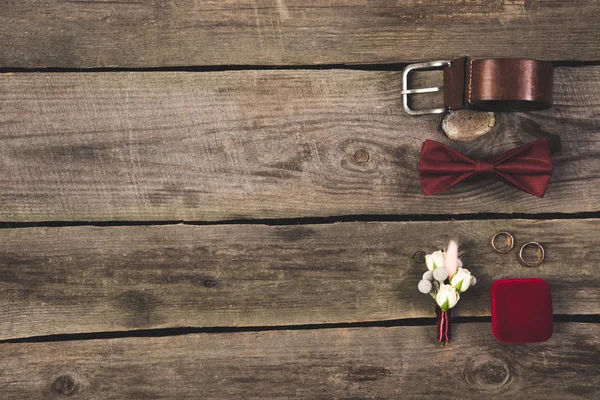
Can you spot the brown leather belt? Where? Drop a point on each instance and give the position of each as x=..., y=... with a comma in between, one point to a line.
x=492, y=84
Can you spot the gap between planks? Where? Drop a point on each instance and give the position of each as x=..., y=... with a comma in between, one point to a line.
x=225, y=68
x=312, y=220
x=148, y=333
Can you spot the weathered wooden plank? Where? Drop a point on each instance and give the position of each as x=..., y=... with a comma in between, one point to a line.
x=158, y=33
x=89, y=279
x=262, y=144
x=365, y=363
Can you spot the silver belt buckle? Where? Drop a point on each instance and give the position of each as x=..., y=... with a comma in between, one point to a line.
x=406, y=91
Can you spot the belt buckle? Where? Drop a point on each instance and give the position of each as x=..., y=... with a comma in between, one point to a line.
x=432, y=65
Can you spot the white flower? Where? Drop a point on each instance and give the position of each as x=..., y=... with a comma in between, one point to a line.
x=438, y=258
x=473, y=281
x=446, y=297
x=429, y=262
x=434, y=260
x=425, y=286
x=440, y=274
x=428, y=275
x=461, y=280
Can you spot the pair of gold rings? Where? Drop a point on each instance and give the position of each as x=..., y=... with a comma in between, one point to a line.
x=510, y=243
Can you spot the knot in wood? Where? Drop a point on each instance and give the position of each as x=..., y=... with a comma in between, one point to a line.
x=361, y=156
x=211, y=283
x=486, y=372
x=65, y=385
x=419, y=257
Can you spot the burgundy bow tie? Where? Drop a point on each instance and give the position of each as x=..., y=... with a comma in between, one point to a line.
x=528, y=167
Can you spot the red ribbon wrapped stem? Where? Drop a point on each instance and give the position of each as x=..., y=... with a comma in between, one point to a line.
x=443, y=325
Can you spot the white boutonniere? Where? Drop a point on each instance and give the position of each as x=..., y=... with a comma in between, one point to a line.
x=445, y=279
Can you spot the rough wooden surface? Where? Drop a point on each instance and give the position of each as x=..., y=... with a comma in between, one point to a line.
x=89, y=279
x=237, y=145
x=363, y=363
x=159, y=33
x=263, y=144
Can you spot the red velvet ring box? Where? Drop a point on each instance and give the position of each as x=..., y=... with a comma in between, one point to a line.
x=521, y=310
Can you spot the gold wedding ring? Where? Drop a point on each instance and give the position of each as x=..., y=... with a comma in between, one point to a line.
x=509, y=239
x=541, y=252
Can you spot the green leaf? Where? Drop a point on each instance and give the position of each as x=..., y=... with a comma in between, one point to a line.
x=444, y=306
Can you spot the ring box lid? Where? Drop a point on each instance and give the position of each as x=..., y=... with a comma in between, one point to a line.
x=521, y=310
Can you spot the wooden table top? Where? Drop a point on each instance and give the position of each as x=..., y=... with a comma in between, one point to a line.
x=220, y=199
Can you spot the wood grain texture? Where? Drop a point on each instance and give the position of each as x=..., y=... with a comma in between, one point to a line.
x=361, y=363
x=159, y=33
x=90, y=279
x=263, y=144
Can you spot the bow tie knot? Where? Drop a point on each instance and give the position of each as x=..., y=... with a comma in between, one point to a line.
x=528, y=167
x=485, y=166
